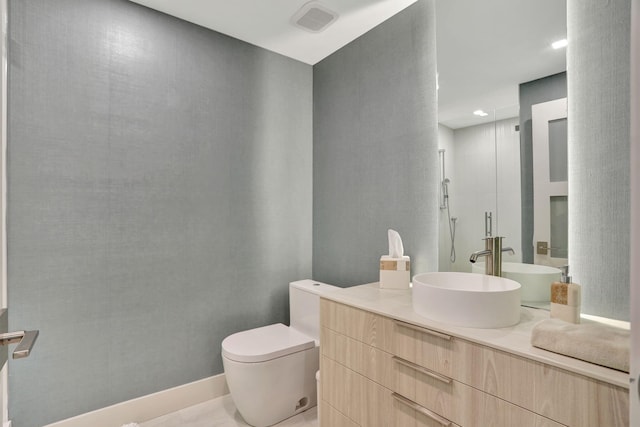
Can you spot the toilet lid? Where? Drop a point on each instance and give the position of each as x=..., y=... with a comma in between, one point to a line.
x=265, y=343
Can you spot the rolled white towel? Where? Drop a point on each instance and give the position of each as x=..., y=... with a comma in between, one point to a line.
x=589, y=341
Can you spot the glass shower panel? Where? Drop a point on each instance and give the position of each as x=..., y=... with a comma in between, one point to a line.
x=558, y=150
x=559, y=226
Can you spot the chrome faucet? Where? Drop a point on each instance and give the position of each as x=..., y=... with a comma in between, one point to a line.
x=493, y=254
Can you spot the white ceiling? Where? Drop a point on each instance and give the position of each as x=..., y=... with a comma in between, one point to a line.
x=485, y=48
x=267, y=23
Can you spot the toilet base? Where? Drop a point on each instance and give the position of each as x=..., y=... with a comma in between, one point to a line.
x=266, y=393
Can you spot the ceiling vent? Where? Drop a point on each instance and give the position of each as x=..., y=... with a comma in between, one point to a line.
x=314, y=17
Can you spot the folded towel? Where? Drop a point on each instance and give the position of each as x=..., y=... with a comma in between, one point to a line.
x=592, y=342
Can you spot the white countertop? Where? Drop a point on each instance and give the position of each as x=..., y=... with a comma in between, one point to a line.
x=515, y=339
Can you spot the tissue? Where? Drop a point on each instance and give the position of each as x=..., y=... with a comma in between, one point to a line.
x=396, y=250
x=395, y=267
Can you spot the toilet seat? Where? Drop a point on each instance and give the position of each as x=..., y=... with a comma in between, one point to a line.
x=265, y=343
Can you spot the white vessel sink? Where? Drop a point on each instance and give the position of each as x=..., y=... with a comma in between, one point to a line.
x=535, y=279
x=467, y=299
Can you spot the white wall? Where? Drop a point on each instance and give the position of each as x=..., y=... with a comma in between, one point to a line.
x=471, y=167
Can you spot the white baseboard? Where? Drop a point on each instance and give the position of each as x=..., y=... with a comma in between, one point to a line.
x=152, y=406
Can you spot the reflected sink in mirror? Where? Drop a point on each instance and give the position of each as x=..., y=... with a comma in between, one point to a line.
x=467, y=299
x=535, y=279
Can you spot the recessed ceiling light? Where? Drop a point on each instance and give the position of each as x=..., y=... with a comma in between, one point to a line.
x=559, y=44
x=480, y=113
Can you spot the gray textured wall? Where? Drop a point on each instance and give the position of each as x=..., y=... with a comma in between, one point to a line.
x=375, y=149
x=530, y=93
x=634, y=402
x=598, y=80
x=159, y=199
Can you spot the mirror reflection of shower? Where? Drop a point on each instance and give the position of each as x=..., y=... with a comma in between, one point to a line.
x=444, y=204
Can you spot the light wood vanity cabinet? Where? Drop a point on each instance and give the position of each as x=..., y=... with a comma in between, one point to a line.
x=377, y=371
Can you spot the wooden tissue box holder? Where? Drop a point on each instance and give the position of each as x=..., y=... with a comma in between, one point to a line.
x=395, y=272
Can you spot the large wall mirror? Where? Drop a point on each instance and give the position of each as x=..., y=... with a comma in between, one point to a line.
x=496, y=59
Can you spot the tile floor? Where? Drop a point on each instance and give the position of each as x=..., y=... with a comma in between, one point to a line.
x=221, y=412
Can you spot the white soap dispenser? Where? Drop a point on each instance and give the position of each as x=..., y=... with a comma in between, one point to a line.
x=566, y=298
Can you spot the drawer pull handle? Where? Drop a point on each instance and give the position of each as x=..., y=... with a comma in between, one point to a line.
x=421, y=369
x=423, y=330
x=424, y=411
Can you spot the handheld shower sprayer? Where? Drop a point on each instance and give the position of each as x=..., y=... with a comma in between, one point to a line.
x=444, y=204
x=452, y=220
x=445, y=189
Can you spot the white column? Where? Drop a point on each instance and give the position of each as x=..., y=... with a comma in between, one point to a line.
x=598, y=153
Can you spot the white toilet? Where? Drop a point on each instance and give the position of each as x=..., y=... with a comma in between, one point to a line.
x=271, y=370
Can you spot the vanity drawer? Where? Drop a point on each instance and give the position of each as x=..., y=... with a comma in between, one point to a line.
x=559, y=393
x=480, y=412
x=569, y=398
x=362, y=358
x=369, y=404
x=392, y=372
x=430, y=349
x=330, y=417
x=359, y=399
x=407, y=413
x=354, y=323
x=462, y=404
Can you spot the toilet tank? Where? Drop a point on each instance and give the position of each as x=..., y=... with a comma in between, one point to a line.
x=304, y=305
